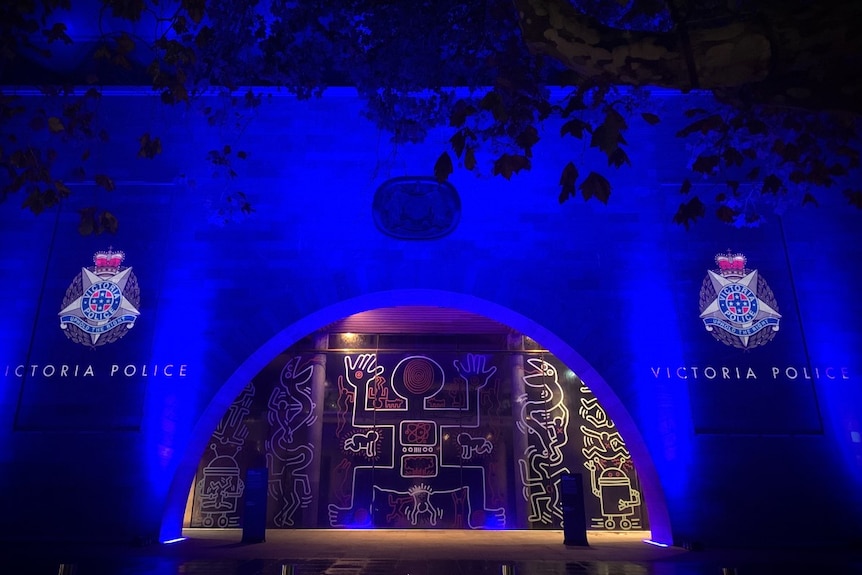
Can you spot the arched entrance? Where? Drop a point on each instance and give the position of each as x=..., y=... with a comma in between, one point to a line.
x=177, y=497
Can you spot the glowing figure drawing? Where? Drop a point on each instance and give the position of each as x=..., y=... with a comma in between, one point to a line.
x=544, y=419
x=544, y=413
x=365, y=443
x=422, y=506
x=219, y=491
x=614, y=489
x=290, y=409
x=232, y=429
x=609, y=463
x=392, y=449
x=592, y=412
x=603, y=445
x=471, y=445
x=220, y=487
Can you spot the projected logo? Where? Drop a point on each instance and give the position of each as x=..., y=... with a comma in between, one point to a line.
x=736, y=304
x=101, y=303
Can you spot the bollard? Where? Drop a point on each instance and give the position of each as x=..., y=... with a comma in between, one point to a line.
x=287, y=570
x=66, y=569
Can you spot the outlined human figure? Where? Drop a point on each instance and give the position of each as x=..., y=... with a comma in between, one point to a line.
x=408, y=468
x=544, y=413
x=541, y=486
x=422, y=507
x=592, y=412
x=365, y=443
x=290, y=412
x=232, y=429
x=289, y=483
x=608, y=446
x=544, y=418
x=344, y=403
x=290, y=404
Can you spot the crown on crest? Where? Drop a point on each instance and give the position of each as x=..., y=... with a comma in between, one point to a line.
x=731, y=264
x=108, y=261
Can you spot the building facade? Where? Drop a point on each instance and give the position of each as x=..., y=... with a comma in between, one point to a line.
x=727, y=359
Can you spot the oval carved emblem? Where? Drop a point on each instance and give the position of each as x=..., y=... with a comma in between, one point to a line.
x=416, y=208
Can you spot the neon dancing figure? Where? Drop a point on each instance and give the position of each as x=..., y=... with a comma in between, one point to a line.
x=544, y=419
x=290, y=410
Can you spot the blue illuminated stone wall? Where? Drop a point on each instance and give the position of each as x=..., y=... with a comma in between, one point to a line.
x=733, y=446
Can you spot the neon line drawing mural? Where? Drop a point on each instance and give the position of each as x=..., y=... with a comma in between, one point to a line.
x=545, y=420
x=414, y=468
x=290, y=409
x=232, y=429
x=219, y=491
x=345, y=402
x=413, y=440
x=611, y=470
x=473, y=445
x=365, y=443
x=220, y=486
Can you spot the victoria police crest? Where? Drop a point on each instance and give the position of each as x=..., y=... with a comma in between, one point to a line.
x=101, y=304
x=737, y=306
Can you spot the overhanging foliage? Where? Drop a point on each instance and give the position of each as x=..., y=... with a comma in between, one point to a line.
x=781, y=132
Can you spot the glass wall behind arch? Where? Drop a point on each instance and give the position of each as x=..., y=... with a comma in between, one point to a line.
x=467, y=431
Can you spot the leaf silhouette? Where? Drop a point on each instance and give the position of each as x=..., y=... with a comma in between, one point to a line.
x=685, y=187
x=470, y=158
x=725, y=214
x=650, y=119
x=772, y=184
x=527, y=139
x=596, y=186
x=458, y=141
x=443, y=167
x=104, y=181
x=149, y=147
x=705, y=164
x=576, y=128
x=704, y=126
x=508, y=164
x=108, y=223
x=854, y=198
x=618, y=157
x=567, y=182
x=689, y=211
x=55, y=124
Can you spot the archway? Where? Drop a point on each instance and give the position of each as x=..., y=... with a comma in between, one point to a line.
x=171, y=525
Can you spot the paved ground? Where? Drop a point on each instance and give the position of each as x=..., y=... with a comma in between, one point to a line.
x=414, y=552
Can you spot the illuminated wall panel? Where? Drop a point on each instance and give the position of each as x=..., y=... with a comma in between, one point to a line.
x=614, y=290
x=424, y=437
